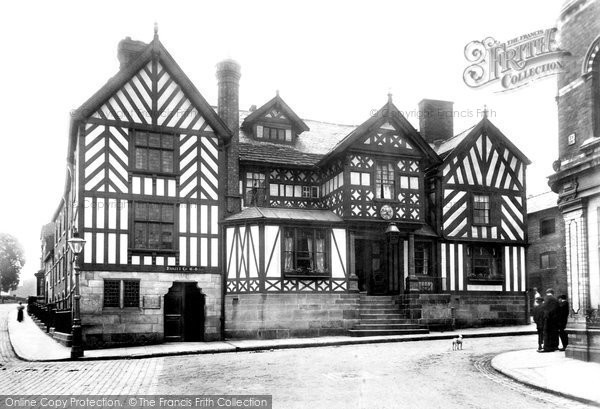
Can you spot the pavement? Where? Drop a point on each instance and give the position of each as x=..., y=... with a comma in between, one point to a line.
x=542, y=371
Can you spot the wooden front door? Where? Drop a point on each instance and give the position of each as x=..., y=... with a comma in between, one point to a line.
x=369, y=266
x=184, y=313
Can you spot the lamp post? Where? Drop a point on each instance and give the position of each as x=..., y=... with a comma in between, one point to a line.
x=76, y=245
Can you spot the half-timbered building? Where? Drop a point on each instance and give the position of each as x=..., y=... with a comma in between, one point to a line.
x=374, y=228
x=202, y=223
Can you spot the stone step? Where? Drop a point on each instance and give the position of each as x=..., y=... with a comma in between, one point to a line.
x=383, y=316
x=362, y=325
x=379, y=332
x=388, y=310
x=389, y=321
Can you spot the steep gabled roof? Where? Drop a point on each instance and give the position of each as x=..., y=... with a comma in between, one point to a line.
x=390, y=114
x=275, y=103
x=308, y=148
x=461, y=142
x=153, y=50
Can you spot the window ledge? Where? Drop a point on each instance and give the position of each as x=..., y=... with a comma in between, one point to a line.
x=486, y=280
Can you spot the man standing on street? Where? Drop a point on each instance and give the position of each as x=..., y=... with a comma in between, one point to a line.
x=550, y=322
x=562, y=317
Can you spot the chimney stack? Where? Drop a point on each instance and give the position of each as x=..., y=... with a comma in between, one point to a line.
x=128, y=50
x=228, y=76
x=436, y=120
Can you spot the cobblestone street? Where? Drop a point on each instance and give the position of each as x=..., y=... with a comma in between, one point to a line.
x=393, y=375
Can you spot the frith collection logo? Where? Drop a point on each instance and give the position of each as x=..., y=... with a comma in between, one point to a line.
x=514, y=63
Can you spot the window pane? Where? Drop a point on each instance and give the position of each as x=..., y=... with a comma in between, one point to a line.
x=167, y=141
x=112, y=292
x=414, y=183
x=281, y=134
x=141, y=158
x=154, y=231
x=167, y=213
x=141, y=211
x=131, y=294
x=167, y=236
x=266, y=132
x=355, y=178
x=154, y=140
x=141, y=139
x=154, y=160
x=139, y=235
x=167, y=161
x=366, y=179
x=154, y=212
x=404, y=182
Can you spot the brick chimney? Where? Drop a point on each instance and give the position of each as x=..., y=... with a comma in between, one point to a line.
x=228, y=76
x=128, y=50
x=436, y=120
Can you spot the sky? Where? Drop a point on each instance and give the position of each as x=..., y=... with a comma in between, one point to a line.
x=331, y=61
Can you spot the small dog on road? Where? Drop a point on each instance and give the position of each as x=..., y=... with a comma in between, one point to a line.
x=457, y=343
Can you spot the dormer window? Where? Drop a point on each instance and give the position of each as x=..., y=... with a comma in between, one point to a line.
x=272, y=133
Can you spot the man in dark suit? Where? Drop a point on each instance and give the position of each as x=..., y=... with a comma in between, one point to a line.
x=538, y=318
x=562, y=318
x=550, y=308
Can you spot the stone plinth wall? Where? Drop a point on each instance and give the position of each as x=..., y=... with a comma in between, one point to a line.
x=264, y=316
x=465, y=310
x=112, y=327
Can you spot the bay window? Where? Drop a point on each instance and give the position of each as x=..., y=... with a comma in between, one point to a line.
x=305, y=251
x=485, y=264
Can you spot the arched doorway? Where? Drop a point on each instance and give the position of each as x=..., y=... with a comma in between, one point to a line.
x=184, y=313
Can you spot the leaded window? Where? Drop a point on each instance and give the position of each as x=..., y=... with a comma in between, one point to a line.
x=154, y=152
x=485, y=262
x=153, y=226
x=384, y=181
x=112, y=293
x=254, y=194
x=305, y=251
x=481, y=209
x=131, y=293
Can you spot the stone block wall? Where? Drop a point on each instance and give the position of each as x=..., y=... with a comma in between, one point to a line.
x=111, y=327
x=264, y=316
x=466, y=310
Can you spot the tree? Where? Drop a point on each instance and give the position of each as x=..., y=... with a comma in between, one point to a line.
x=11, y=262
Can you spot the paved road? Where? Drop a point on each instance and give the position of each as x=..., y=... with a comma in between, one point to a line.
x=397, y=375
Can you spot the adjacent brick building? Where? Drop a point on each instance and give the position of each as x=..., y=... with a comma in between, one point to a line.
x=546, y=263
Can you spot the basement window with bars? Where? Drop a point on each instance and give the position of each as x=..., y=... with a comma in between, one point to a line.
x=153, y=226
x=481, y=209
x=154, y=152
x=121, y=294
x=305, y=252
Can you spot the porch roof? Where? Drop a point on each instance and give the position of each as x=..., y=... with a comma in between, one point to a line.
x=273, y=213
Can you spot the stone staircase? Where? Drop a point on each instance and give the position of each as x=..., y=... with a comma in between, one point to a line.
x=384, y=315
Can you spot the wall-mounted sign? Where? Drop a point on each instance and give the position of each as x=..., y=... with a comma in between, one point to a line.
x=151, y=302
x=185, y=269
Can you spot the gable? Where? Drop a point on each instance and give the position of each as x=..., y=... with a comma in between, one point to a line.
x=153, y=97
x=485, y=162
x=152, y=90
x=277, y=111
x=388, y=138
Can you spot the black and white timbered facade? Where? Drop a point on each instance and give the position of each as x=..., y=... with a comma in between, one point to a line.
x=202, y=223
